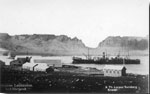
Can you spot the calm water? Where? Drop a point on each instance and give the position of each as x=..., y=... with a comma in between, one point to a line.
x=142, y=68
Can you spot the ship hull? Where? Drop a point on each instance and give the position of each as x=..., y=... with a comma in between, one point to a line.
x=103, y=61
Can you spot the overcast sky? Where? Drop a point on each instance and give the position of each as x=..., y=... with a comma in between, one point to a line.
x=89, y=20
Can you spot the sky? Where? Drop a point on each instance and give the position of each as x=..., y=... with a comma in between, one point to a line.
x=89, y=20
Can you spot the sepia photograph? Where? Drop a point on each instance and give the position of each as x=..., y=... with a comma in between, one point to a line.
x=74, y=46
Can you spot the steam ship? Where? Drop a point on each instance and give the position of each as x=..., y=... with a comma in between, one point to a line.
x=105, y=60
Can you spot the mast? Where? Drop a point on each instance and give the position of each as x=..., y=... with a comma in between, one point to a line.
x=27, y=53
x=124, y=48
x=124, y=58
x=106, y=52
x=88, y=54
x=123, y=62
x=118, y=54
x=128, y=52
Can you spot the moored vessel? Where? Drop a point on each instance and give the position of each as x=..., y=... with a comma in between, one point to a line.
x=105, y=60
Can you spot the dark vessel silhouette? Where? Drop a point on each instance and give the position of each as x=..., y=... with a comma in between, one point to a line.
x=105, y=60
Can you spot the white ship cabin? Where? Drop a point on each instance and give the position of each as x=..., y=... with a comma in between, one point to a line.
x=48, y=61
x=114, y=71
